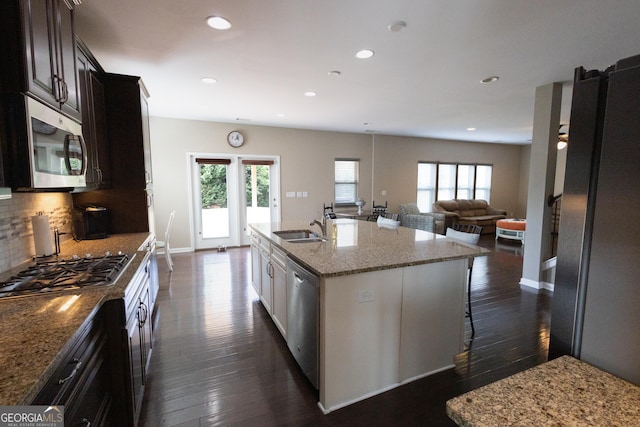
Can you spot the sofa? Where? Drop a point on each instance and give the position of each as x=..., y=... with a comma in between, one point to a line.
x=474, y=211
x=411, y=217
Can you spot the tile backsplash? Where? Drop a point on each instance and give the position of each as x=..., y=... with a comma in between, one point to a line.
x=16, y=232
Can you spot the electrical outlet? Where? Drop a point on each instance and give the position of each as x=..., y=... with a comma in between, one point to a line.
x=384, y=192
x=291, y=194
x=365, y=296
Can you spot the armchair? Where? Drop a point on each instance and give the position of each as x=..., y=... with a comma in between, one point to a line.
x=410, y=216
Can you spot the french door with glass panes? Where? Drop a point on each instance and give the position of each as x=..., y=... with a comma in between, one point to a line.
x=231, y=192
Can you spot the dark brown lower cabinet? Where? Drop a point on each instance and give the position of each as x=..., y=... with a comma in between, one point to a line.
x=130, y=331
x=101, y=380
x=82, y=381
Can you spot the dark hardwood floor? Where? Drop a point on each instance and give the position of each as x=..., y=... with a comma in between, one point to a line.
x=219, y=360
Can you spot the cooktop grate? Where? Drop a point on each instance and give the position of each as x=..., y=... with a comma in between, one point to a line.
x=59, y=275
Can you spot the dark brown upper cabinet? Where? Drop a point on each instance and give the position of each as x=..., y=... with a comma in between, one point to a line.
x=130, y=197
x=94, y=119
x=39, y=52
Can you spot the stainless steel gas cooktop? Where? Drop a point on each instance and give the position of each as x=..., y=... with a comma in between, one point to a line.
x=59, y=275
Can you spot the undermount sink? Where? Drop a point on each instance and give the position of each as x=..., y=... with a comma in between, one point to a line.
x=307, y=240
x=299, y=236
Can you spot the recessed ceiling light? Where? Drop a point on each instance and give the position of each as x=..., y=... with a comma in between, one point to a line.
x=218, y=22
x=310, y=93
x=397, y=26
x=334, y=73
x=471, y=129
x=364, y=54
x=490, y=79
x=208, y=80
x=280, y=114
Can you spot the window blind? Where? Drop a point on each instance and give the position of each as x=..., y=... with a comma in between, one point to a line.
x=203, y=161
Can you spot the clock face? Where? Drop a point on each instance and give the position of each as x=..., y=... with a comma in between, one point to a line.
x=235, y=139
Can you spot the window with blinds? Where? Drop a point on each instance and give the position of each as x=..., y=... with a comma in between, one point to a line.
x=346, y=181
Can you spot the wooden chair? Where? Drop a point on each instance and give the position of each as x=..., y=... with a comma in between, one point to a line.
x=467, y=233
x=328, y=211
x=376, y=211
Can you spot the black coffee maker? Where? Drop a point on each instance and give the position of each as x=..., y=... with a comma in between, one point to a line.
x=90, y=222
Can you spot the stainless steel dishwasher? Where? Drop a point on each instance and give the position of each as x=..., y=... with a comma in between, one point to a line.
x=302, y=318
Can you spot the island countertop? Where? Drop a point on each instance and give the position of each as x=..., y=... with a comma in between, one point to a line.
x=363, y=246
x=37, y=331
x=562, y=392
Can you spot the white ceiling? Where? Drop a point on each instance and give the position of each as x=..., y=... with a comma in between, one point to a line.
x=423, y=81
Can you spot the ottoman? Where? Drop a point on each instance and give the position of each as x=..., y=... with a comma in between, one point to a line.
x=513, y=229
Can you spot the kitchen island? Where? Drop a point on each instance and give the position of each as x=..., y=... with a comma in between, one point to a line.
x=391, y=303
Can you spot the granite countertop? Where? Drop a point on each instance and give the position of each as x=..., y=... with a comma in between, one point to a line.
x=363, y=246
x=37, y=332
x=562, y=392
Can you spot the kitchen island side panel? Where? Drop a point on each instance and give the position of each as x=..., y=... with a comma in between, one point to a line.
x=359, y=340
x=382, y=328
x=433, y=297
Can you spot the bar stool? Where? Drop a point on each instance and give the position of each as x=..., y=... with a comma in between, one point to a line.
x=467, y=233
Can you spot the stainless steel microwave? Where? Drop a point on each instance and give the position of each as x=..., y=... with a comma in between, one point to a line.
x=58, y=154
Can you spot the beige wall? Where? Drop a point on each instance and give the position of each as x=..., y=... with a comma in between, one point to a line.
x=396, y=167
x=307, y=165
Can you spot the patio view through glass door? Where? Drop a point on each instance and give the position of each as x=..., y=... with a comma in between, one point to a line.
x=230, y=193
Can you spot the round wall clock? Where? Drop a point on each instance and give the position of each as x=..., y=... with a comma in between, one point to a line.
x=235, y=138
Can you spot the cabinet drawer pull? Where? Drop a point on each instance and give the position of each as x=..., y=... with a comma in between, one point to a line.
x=78, y=363
x=85, y=422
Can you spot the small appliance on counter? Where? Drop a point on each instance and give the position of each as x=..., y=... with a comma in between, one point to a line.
x=90, y=222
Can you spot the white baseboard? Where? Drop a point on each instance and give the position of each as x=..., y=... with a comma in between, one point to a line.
x=176, y=251
x=536, y=285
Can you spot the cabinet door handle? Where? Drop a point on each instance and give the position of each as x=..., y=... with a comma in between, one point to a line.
x=85, y=422
x=78, y=363
x=145, y=310
x=57, y=88
x=270, y=269
x=140, y=316
x=65, y=92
